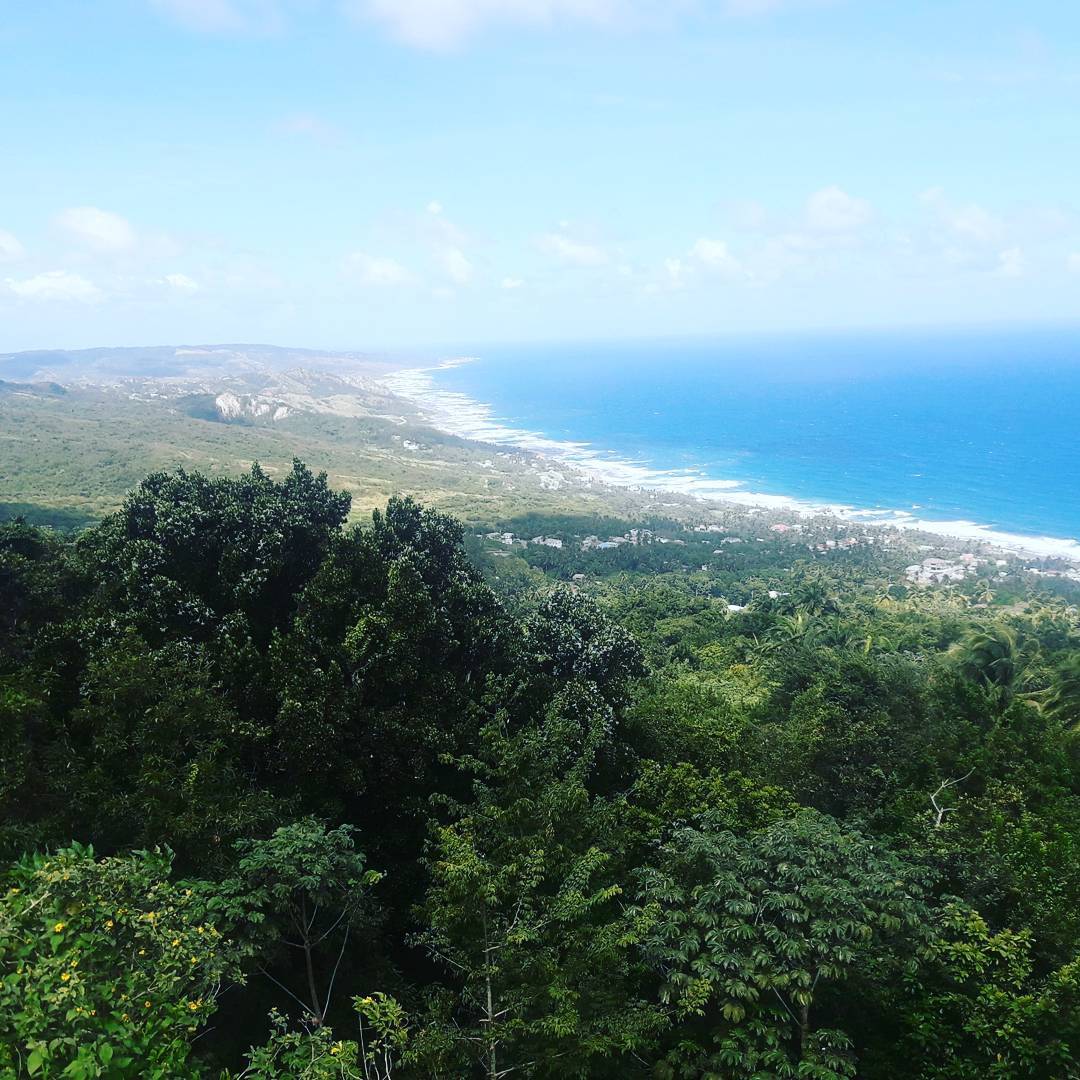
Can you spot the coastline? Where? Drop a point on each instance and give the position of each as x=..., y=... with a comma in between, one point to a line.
x=457, y=414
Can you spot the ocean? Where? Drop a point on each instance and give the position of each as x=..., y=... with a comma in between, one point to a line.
x=967, y=433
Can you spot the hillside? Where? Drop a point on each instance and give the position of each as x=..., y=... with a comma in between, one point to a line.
x=80, y=429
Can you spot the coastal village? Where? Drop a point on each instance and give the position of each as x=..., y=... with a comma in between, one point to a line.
x=703, y=547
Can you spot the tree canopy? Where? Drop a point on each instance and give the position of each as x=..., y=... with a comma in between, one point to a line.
x=282, y=795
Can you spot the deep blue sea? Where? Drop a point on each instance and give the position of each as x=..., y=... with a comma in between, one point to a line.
x=980, y=426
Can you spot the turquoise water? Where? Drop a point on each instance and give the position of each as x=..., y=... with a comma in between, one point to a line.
x=977, y=426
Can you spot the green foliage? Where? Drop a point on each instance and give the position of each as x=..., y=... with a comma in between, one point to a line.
x=107, y=967
x=384, y=1034
x=522, y=905
x=305, y=887
x=570, y=638
x=1063, y=699
x=980, y=1009
x=186, y=552
x=749, y=934
x=307, y=1054
x=833, y=833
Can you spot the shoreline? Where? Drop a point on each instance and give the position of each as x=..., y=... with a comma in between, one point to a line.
x=457, y=414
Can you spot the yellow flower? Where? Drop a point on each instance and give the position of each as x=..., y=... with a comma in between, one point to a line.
x=65, y=976
x=335, y=1049
x=142, y=952
x=58, y=927
x=13, y=890
x=175, y=942
x=109, y=924
x=125, y=1018
x=201, y=929
x=146, y=1004
x=193, y=1005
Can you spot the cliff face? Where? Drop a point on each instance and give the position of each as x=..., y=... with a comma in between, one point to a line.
x=230, y=407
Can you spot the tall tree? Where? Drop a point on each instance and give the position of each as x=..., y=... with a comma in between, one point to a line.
x=754, y=937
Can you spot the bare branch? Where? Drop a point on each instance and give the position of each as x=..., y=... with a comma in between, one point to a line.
x=334, y=926
x=333, y=974
x=944, y=786
x=303, y=1004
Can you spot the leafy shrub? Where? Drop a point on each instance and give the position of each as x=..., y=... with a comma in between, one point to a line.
x=107, y=967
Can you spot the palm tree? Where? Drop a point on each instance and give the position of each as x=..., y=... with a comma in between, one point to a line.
x=991, y=658
x=883, y=597
x=814, y=594
x=1062, y=700
x=799, y=628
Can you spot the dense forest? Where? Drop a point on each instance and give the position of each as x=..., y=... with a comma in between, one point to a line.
x=286, y=797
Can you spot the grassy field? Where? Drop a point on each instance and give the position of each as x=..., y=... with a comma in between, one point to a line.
x=67, y=457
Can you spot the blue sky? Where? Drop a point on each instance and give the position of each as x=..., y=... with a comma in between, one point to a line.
x=387, y=173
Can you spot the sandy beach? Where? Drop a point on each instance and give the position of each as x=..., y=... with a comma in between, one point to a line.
x=458, y=414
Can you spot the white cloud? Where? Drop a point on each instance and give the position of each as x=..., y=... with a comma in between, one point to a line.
x=181, y=283
x=716, y=255
x=101, y=230
x=309, y=125
x=675, y=272
x=511, y=283
x=751, y=7
x=10, y=248
x=968, y=221
x=375, y=270
x=574, y=252
x=833, y=210
x=202, y=14
x=439, y=231
x=442, y=24
x=54, y=285
x=1011, y=263
x=225, y=16
x=1005, y=243
x=456, y=266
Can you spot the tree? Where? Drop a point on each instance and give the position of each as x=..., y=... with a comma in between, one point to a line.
x=978, y=1008
x=38, y=584
x=570, y=638
x=1062, y=702
x=306, y=889
x=846, y=730
x=750, y=936
x=521, y=908
x=108, y=967
x=187, y=552
x=993, y=659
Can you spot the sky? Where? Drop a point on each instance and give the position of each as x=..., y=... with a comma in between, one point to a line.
x=390, y=174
